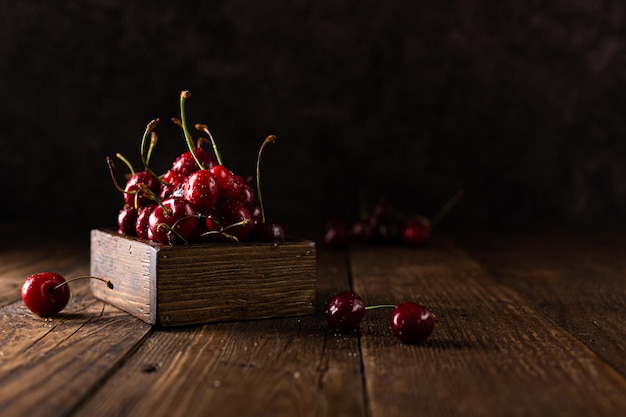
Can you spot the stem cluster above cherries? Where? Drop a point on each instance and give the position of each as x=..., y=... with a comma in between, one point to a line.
x=383, y=223
x=410, y=322
x=198, y=199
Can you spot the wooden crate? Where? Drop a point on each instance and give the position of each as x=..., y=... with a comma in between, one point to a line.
x=189, y=284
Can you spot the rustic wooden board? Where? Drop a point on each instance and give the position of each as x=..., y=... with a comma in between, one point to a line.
x=277, y=367
x=48, y=366
x=491, y=353
x=578, y=280
x=193, y=284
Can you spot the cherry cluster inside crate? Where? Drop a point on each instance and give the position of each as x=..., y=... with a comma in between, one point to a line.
x=193, y=245
x=198, y=199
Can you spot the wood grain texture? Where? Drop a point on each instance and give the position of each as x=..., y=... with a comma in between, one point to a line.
x=277, y=367
x=578, y=280
x=491, y=353
x=47, y=366
x=203, y=283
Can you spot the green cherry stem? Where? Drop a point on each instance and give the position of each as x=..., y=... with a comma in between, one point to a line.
x=184, y=95
x=145, y=156
x=272, y=139
x=106, y=281
x=126, y=162
x=380, y=306
x=205, y=129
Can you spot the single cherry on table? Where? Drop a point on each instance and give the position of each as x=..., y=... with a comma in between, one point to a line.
x=47, y=293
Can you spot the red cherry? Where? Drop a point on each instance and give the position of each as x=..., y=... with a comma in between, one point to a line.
x=345, y=311
x=225, y=181
x=235, y=218
x=170, y=181
x=172, y=220
x=412, y=322
x=132, y=191
x=268, y=232
x=142, y=224
x=245, y=193
x=47, y=293
x=200, y=189
x=417, y=232
x=187, y=164
x=127, y=220
x=335, y=234
x=41, y=297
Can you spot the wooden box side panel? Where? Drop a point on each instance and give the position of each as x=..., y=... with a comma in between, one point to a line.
x=131, y=266
x=235, y=282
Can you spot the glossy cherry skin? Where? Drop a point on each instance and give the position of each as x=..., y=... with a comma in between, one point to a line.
x=187, y=164
x=229, y=212
x=245, y=192
x=131, y=193
x=200, y=189
x=416, y=233
x=412, y=323
x=142, y=224
x=228, y=189
x=170, y=181
x=344, y=311
x=268, y=232
x=174, y=213
x=41, y=298
x=126, y=220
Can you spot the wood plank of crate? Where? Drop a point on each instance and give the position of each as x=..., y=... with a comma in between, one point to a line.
x=49, y=365
x=491, y=352
x=579, y=281
x=276, y=367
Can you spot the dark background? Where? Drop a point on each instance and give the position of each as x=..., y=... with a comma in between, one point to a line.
x=521, y=104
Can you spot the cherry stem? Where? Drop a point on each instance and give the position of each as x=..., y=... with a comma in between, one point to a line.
x=380, y=306
x=205, y=129
x=111, y=166
x=183, y=96
x=106, y=281
x=446, y=207
x=145, y=156
x=272, y=139
x=127, y=162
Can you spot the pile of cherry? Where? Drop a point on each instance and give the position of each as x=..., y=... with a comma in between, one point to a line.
x=383, y=223
x=197, y=200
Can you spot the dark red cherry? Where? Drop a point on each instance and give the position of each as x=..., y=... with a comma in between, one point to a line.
x=170, y=181
x=172, y=220
x=142, y=224
x=127, y=220
x=132, y=191
x=225, y=182
x=345, y=311
x=200, y=189
x=417, y=232
x=268, y=232
x=412, y=322
x=335, y=234
x=187, y=164
x=245, y=192
x=234, y=218
x=47, y=293
x=362, y=230
x=41, y=297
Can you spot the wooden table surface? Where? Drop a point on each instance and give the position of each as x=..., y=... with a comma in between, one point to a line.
x=529, y=324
